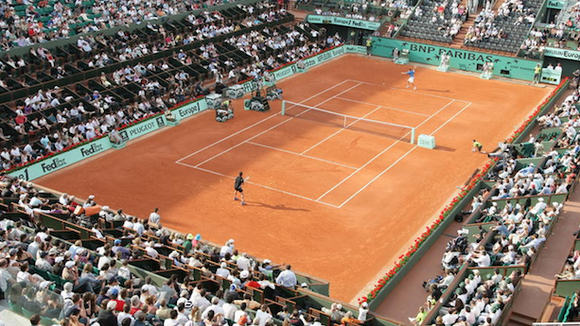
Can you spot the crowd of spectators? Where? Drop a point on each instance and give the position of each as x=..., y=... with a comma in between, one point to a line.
x=65, y=283
x=54, y=119
x=484, y=28
x=27, y=22
x=98, y=286
x=521, y=222
x=438, y=20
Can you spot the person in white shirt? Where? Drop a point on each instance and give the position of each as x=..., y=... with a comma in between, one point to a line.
x=229, y=308
x=482, y=259
x=151, y=251
x=243, y=262
x=201, y=302
x=181, y=317
x=263, y=315
x=287, y=278
x=214, y=307
x=125, y=314
x=227, y=248
x=173, y=320
x=152, y=289
x=139, y=227
x=363, y=311
x=223, y=271
x=154, y=217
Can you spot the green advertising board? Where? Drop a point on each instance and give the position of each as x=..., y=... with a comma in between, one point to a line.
x=562, y=53
x=509, y=67
x=341, y=21
x=291, y=69
x=551, y=76
x=62, y=160
x=555, y=4
x=190, y=109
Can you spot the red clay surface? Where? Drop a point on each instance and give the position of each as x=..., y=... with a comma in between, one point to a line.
x=340, y=204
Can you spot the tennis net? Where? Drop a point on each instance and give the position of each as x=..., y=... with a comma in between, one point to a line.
x=382, y=128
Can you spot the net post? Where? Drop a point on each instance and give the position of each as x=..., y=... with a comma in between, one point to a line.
x=412, y=135
x=283, y=112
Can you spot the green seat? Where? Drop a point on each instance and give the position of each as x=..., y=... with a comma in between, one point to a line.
x=563, y=310
x=45, y=321
x=15, y=307
x=27, y=313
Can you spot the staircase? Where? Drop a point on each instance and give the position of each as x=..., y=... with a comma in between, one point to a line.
x=517, y=319
x=460, y=37
x=552, y=309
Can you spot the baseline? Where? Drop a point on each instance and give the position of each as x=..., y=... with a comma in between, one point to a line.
x=410, y=91
x=258, y=185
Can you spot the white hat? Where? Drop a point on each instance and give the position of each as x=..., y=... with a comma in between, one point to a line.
x=230, y=241
x=224, y=265
x=91, y=196
x=267, y=261
x=541, y=199
x=69, y=264
x=245, y=274
x=173, y=254
x=105, y=208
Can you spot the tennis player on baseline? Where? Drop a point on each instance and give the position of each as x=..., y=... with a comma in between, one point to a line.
x=238, y=183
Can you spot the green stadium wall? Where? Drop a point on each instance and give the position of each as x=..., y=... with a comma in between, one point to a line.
x=509, y=67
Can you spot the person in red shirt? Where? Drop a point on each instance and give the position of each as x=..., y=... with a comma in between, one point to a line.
x=248, y=281
x=20, y=119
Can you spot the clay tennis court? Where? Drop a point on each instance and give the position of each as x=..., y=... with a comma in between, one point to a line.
x=337, y=203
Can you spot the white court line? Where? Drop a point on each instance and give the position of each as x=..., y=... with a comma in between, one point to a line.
x=259, y=185
x=300, y=154
x=410, y=91
x=400, y=158
x=381, y=153
x=340, y=130
x=450, y=119
x=275, y=126
x=384, y=107
x=257, y=123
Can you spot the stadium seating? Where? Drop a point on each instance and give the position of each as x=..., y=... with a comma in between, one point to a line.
x=505, y=230
x=432, y=25
x=513, y=29
x=129, y=76
x=114, y=254
x=78, y=17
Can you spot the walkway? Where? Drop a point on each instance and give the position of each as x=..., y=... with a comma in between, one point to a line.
x=538, y=283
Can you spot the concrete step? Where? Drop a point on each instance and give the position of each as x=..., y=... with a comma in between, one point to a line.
x=517, y=319
x=552, y=309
